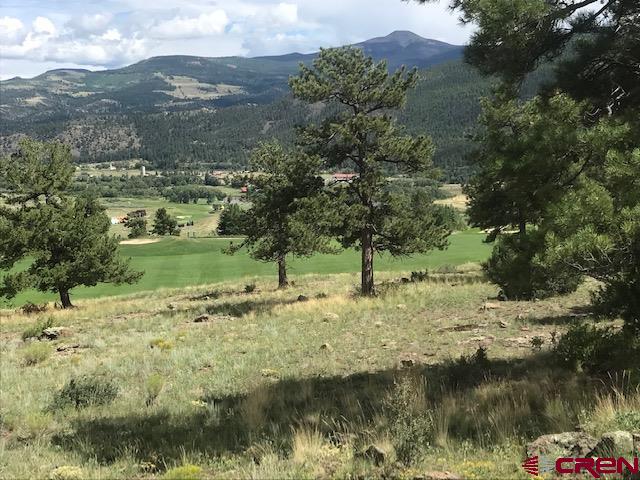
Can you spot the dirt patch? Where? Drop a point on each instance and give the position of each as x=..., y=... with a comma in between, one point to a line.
x=140, y=241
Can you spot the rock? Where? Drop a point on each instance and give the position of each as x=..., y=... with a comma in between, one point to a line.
x=172, y=306
x=441, y=476
x=490, y=306
x=302, y=298
x=326, y=347
x=503, y=324
x=407, y=362
x=567, y=444
x=401, y=306
x=331, y=316
x=378, y=324
x=64, y=348
x=53, y=333
x=270, y=373
x=201, y=319
x=611, y=444
x=375, y=454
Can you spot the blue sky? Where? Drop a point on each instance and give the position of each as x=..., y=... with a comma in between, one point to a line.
x=38, y=35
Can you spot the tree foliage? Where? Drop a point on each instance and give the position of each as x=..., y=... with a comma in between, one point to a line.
x=66, y=239
x=568, y=161
x=285, y=217
x=164, y=224
x=362, y=135
x=232, y=221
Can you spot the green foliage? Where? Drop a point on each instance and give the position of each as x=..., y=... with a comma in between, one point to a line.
x=519, y=266
x=137, y=226
x=232, y=221
x=164, y=224
x=361, y=135
x=628, y=420
x=35, y=352
x=84, y=391
x=67, y=238
x=153, y=386
x=598, y=350
x=35, y=331
x=184, y=472
x=410, y=420
x=285, y=217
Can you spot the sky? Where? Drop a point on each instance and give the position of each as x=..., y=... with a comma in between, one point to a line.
x=40, y=35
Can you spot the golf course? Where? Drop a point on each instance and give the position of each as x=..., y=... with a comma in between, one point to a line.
x=181, y=262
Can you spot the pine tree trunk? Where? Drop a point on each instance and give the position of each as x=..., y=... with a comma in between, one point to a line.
x=65, y=300
x=523, y=228
x=367, y=263
x=283, y=281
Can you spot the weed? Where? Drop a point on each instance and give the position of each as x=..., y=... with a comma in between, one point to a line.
x=161, y=344
x=184, y=472
x=85, y=391
x=67, y=472
x=154, y=385
x=250, y=288
x=35, y=353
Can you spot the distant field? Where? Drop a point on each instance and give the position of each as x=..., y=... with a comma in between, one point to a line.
x=175, y=263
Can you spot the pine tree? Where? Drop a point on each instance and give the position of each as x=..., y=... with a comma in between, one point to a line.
x=277, y=224
x=363, y=136
x=164, y=224
x=66, y=238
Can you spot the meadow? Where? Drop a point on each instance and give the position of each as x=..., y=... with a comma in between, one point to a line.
x=217, y=382
x=181, y=262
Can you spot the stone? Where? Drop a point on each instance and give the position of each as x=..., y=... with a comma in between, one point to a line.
x=375, y=454
x=401, y=306
x=172, y=306
x=302, y=298
x=619, y=443
x=331, y=316
x=491, y=306
x=201, y=319
x=326, y=347
x=503, y=324
x=407, y=362
x=566, y=444
x=53, y=333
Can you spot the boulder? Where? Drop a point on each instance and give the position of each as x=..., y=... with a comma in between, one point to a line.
x=330, y=316
x=567, y=444
x=613, y=444
x=302, y=298
x=53, y=333
x=201, y=319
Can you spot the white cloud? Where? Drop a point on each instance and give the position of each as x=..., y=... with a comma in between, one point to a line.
x=111, y=35
x=92, y=23
x=285, y=13
x=44, y=26
x=204, y=25
x=11, y=30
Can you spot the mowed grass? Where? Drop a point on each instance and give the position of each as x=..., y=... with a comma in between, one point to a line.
x=273, y=387
x=181, y=262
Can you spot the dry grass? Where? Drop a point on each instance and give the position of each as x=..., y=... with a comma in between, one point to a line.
x=274, y=387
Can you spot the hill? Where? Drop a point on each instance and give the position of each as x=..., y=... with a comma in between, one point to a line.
x=266, y=386
x=198, y=112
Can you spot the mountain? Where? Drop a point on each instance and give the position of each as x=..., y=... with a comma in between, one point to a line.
x=198, y=112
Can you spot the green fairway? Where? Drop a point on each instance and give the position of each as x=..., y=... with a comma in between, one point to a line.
x=175, y=262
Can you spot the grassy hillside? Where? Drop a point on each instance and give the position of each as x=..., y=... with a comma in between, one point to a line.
x=271, y=387
x=178, y=262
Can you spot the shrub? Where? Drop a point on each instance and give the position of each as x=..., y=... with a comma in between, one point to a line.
x=598, y=350
x=522, y=272
x=185, y=472
x=250, y=288
x=35, y=353
x=67, y=472
x=35, y=331
x=85, y=391
x=161, y=344
x=420, y=276
x=628, y=420
x=30, y=308
x=410, y=421
x=154, y=385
